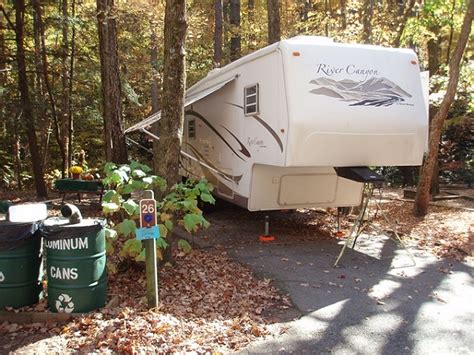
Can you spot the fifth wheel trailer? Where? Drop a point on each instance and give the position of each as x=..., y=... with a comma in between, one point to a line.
x=271, y=129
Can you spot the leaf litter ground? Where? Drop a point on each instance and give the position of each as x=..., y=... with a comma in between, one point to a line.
x=207, y=303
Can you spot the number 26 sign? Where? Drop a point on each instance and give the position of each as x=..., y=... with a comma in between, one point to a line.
x=148, y=228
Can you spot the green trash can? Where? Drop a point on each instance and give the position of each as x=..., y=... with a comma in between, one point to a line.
x=76, y=264
x=20, y=264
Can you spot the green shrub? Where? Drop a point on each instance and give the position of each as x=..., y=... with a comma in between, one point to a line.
x=179, y=206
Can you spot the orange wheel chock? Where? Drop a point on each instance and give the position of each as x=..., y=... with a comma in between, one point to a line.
x=266, y=238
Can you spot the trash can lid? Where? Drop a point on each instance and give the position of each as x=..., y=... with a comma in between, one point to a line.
x=62, y=222
x=14, y=234
x=60, y=228
x=8, y=228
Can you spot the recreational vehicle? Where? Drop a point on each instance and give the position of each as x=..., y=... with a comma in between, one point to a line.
x=273, y=129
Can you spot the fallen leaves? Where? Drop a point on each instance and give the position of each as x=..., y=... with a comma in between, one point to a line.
x=447, y=232
x=208, y=303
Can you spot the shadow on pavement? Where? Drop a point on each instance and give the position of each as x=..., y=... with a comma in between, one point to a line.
x=377, y=301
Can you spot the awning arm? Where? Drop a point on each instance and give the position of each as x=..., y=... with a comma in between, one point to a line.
x=145, y=123
x=138, y=145
x=150, y=134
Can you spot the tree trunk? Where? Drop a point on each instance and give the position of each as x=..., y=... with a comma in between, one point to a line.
x=423, y=191
x=16, y=151
x=44, y=66
x=408, y=174
x=226, y=11
x=327, y=10
x=71, y=77
x=451, y=32
x=433, y=52
x=434, y=188
x=251, y=43
x=304, y=6
x=273, y=9
x=115, y=147
x=26, y=103
x=342, y=5
x=234, y=20
x=155, y=89
x=39, y=97
x=39, y=90
x=174, y=83
x=403, y=22
x=218, y=15
x=65, y=99
x=155, y=85
x=3, y=52
x=367, y=12
x=3, y=74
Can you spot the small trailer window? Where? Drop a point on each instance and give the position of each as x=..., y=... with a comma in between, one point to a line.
x=251, y=100
x=192, y=128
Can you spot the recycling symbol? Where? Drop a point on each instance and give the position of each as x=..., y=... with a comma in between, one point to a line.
x=2, y=277
x=64, y=303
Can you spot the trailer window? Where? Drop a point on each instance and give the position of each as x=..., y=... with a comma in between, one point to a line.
x=251, y=100
x=192, y=128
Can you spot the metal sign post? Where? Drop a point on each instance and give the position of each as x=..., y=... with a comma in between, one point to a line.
x=148, y=233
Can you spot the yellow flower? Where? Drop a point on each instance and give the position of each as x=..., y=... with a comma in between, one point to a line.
x=75, y=169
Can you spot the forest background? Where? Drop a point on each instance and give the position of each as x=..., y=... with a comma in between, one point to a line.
x=62, y=55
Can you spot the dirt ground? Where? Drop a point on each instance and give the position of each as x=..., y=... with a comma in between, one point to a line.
x=447, y=230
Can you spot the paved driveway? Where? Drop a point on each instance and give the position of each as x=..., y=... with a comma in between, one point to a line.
x=375, y=302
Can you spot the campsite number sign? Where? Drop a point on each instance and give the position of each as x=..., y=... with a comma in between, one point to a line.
x=147, y=213
x=148, y=228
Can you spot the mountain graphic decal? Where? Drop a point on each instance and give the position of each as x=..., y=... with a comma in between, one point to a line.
x=371, y=92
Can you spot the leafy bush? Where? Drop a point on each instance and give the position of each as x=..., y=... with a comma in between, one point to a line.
x=179, y=206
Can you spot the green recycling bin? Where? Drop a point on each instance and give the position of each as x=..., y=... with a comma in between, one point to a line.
x=20, y=264
x=76, y=264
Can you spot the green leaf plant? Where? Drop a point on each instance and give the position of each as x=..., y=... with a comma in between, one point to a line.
x=178, y=207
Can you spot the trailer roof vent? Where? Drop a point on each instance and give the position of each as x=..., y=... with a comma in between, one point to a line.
x=251, y=106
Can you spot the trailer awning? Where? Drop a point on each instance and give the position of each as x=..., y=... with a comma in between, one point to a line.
x=189, y=100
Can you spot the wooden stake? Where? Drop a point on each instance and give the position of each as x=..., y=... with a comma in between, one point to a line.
x=150, y=263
